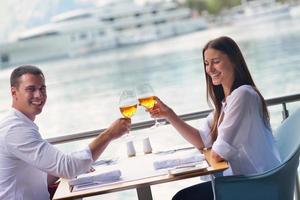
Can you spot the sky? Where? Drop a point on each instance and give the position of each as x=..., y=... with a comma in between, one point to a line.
x=18, y=15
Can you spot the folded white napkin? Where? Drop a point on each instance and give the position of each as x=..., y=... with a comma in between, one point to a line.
x=177, y=159
x=96, y=177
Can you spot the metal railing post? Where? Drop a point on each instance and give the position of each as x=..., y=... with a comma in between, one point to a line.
x=285, y=112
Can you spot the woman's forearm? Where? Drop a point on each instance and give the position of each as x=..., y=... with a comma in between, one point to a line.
x=188, y=132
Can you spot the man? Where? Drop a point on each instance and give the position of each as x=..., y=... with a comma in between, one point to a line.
x=28, y=164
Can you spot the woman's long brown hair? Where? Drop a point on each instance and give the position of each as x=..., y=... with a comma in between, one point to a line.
x=242, y=76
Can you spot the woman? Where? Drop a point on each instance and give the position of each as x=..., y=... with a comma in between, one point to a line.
x=238, y=130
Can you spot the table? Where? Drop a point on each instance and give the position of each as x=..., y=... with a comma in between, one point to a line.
x=142, y=184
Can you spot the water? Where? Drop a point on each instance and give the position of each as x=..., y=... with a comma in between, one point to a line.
x=83, y=92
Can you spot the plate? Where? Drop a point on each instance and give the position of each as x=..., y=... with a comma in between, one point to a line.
x=188, y=168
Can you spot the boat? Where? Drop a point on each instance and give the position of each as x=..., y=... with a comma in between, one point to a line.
x=295, y=11
x=82, y=31
x=258, y=11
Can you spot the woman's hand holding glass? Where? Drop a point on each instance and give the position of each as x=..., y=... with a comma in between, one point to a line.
x=160, y=110
x=147, y=98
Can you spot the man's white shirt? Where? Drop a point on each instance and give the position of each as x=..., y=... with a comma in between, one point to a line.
x=26, y=159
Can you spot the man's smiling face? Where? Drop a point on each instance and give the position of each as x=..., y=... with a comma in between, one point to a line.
x=29, y=96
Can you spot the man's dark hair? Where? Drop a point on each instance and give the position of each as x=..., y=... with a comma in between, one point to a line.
x=21, y=70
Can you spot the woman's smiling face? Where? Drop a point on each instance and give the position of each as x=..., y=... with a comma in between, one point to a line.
x=219, y=68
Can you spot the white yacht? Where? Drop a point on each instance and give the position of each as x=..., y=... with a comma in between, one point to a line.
x=114, y=25
x=257, y=11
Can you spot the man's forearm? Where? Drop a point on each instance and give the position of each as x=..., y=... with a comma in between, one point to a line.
x=98, y=145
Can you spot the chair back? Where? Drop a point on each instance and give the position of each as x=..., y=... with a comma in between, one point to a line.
x=287, y=136
x=275, y=184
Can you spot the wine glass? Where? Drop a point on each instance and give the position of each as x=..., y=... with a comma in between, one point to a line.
x=128, y=103
x=146, y=98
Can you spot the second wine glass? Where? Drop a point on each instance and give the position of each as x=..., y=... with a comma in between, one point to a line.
x=146, y=97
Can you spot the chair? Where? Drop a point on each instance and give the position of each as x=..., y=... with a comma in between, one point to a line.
x=275, y=184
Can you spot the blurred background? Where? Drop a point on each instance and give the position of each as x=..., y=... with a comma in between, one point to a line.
x=91, y=50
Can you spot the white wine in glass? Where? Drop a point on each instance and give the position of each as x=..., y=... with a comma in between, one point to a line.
x=146, y=98
x=147, y=102
x=128, y=111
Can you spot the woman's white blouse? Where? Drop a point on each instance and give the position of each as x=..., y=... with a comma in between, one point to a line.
x=244, y=140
